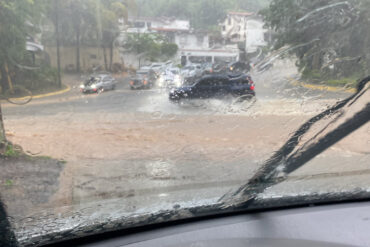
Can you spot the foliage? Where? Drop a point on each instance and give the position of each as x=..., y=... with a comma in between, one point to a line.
x=203, y=14
x=168, y=49
x=9, y=182
x=10, y=151
x=43, y=78
x=330, y=37
x=150, y=46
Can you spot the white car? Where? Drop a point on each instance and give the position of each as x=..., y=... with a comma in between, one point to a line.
x=194, y=70
x=170, y=78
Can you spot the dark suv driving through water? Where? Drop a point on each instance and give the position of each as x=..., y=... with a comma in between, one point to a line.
x=216, y=86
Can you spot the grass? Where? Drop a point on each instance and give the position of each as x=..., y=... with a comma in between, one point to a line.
x=11, y=152
x=315, y=77
x=9, y=182
x=344, y=82
x=50, y=89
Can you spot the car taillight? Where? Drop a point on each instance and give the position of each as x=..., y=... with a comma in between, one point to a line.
x=131, y=83
x=145, y=82
x=252, y=87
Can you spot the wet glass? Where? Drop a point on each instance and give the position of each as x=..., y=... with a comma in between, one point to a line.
x=109, y=157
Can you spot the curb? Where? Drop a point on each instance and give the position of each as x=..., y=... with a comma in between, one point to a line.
x=53, y=93
x=295, y=82
x=39, y=96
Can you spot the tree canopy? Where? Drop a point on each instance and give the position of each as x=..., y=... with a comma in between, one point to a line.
x=203, y=14
x=153, y=47
x=330, y=37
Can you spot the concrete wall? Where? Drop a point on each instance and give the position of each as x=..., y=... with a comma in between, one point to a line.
x=192, y=41
x=255, y=35
x=89, y=56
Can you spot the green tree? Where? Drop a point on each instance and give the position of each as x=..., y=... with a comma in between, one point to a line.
x=16, y=18
x=204, y=14
x=91, y=22
x=150, y=46
x=330, y=38
x=109, y=12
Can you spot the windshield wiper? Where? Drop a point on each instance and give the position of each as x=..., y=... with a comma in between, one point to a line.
x=338, y=122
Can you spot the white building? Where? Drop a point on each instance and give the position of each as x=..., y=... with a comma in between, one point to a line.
x=151, y=25
x=193, y=45
x=244, y=27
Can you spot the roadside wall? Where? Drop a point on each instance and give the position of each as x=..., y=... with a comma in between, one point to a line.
x=89, y=56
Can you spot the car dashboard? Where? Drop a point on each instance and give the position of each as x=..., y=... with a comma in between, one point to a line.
x=326, y=226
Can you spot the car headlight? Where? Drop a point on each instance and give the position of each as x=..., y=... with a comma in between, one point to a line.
x=177, y=81
x=82, y=86
x=93, y=86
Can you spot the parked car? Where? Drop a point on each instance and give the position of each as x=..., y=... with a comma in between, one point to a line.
x=98, y=83
x=207, y=68
x=144, y=79
x=157, y=67
x=213, y=86
x=241, y=67
x=170, y=78
x=194, y=70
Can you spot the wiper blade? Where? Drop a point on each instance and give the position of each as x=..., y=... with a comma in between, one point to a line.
x=338, y=122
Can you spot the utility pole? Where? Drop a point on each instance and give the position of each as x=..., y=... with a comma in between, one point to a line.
x=56, y=2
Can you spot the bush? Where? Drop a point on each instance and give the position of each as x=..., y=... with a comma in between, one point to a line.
x=46, y=77
x=168, y=49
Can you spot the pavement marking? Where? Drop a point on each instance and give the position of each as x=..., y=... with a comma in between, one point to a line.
x=295, y=82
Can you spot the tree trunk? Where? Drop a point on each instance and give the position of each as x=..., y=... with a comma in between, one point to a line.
x=78, y=43
x=2, y=134
x=4, y=80
x=105, y=58
x=58, y=42
x=8, y=83
x=111, y=54
x=9, y=80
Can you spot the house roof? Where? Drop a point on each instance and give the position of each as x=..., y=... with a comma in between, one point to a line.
x=164, y=29
x=240, y=13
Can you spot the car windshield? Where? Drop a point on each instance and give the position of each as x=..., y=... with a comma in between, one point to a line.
x=92, y=80
x=283, y=118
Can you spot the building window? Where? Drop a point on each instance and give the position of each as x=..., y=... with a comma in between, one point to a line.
x=93, y=56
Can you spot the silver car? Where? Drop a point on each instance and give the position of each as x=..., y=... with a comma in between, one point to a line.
x=98, y=84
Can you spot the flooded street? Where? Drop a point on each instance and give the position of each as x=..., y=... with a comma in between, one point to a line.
x=125, y=144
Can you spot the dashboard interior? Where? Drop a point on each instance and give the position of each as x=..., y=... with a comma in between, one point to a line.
x=332, y=225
